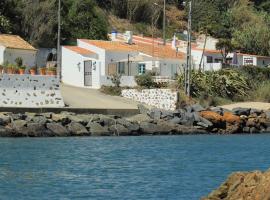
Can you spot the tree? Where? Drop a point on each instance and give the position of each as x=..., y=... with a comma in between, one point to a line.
x=84, y=20
x=5, y=26
x=225, y=46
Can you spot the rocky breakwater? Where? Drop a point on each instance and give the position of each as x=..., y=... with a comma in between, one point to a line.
x=245, y=186
x=190, y=120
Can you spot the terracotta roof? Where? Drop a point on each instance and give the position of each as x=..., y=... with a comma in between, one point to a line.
x=109, y=45
x=79, y=50
x=158, y=51
x=14, y=42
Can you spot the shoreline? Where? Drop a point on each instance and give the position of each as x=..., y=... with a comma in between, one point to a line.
x=191, y=120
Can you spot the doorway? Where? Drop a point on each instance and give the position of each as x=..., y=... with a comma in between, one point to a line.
x=88, y=73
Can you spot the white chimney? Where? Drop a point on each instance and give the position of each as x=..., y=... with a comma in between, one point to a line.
x=174, y=42
x=114, y=35
x=129, y=37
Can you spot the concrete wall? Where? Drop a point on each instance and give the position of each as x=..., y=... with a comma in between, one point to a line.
x=28, y=56
x=30, y=91
x=160, y=98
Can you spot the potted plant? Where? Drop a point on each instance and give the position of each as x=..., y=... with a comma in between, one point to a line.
x=51, y=71
x=33, y=71
x=22, y=69
x=1, y=68
x=42, y=71
x=19, y=61
x=11, y=69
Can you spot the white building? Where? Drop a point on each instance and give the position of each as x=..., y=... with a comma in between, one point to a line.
x=92, y=62
x=13, y=46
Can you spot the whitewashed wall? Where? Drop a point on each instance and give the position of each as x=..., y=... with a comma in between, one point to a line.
x=28, y=56
x=126, y=81
x=30, y=91
x=2, y=50
x=160, y=98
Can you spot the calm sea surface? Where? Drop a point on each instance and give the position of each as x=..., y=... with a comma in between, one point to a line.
x=182, y=167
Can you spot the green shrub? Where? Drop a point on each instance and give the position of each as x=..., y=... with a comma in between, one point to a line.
x=262, y=93
x=145, y=81
x=19, y=61
x=116, y=80
x=111, y=90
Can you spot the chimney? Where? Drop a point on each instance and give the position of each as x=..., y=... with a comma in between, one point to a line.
x=129, y=37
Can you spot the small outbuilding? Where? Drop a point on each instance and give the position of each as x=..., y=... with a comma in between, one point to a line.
x=13, y=46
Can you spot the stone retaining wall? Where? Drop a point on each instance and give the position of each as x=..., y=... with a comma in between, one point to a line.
x=160, y=98
x=30, y=91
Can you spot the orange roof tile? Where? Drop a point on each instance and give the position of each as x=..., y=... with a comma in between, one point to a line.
x=158, y=51
x=14, y=42
x=79, y=50
x=109, y=45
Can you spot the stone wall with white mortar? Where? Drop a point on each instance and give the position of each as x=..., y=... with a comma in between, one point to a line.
x=30, y=91
x=160, y=98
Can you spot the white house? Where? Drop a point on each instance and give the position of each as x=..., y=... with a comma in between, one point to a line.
x=92, y=62
x=13, y=46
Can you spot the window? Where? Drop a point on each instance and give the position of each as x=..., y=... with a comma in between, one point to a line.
x=121, y=68
x=141, y=68
x=248, y=61
x=209, y=59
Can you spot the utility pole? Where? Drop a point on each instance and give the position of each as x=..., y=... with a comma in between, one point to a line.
x=59, y=70
x=188, y=62
x=164, y=23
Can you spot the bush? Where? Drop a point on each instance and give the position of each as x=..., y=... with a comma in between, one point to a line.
x=145, y=81
x=116, y=80
x=19, y=61
x=262, y=93
x=111, y=90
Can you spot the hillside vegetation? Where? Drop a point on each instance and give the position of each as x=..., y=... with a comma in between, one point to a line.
x=239, y=24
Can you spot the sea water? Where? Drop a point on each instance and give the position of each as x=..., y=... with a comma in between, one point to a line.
x=174, y=167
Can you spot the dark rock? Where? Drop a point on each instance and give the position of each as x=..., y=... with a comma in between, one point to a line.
x=197, y=108
x=107, y=121
x=143, y=109
x=241, y=111
x=187, y=119
x=77, y=129
x=57, y=129
x=188, y=130
x=167, y=115
x=97, y=130
x=4, y=120
x=267, y=114
x=232, y=128
x=17, y=116
x=37, y=130
x=188, y=109
x=204, y=123
x=5, y=132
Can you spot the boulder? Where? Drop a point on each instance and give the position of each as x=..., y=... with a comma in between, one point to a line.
x=97, y=130
x=246, y=129
x=245, y=186
x=155, y=114
x=251, y=122
x=197, y=108
x=57, y=129
x=37, y=130
x=140, y=118
x=107, y=121
x=119, y=130
x=232, y=128
x=188, y=130
x=143, y=109
x=211, y=116
x=60, y=118
x=4, y=119
x=217, y=110
x=231, y=118
x=267, y=114
x=5, y=132
x=149, y=128
x=241, y=111
x=39, y=119
x=132, y=127
x=255, y=111
x=77, y=129
x=175, y=120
